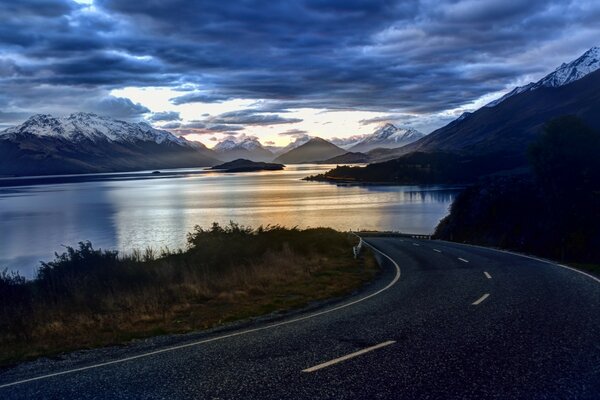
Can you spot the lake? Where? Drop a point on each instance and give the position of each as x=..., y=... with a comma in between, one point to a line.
x=127, y=211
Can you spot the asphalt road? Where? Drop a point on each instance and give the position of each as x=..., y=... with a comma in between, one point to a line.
x=442, y=321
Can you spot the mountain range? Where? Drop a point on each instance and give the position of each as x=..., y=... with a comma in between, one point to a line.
x=563, y=75
x=493, y=138
x=88, y=143
x=247, y=148
x=509, y=125
x=499, y=132
x=387, y=136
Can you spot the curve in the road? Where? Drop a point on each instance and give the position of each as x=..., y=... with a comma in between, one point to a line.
x=213, y=339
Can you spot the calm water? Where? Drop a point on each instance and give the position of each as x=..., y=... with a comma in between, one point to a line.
x=127, y=213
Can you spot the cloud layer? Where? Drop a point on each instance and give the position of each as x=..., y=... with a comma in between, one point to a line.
x=390, y=56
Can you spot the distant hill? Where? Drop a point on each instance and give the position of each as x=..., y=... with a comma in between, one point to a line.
x=88, y=143
x=315, y=150
x=348, y=158
x=248, y=148
x=242, y=165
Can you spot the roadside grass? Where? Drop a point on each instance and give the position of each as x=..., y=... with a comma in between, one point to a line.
x=88, y=297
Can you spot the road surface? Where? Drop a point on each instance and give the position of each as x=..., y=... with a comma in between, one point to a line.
x=443, y=320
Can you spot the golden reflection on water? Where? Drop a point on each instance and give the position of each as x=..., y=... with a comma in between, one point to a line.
x=126, y=214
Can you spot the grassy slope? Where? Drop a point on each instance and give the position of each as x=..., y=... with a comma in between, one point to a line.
x=88, y=298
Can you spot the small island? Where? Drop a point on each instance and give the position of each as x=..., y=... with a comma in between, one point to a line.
x=243, y=165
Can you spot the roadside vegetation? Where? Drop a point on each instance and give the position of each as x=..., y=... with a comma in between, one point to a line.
x=89, y=297
x=553, y=211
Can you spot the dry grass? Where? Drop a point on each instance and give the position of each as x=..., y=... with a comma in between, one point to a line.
x=88, y=298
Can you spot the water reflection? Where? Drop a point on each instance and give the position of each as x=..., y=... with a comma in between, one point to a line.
x=134, y=213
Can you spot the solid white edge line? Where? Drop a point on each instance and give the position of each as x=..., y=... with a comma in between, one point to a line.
x=527, y=256
x=463, y=260
x=482, y=298
x=183, y=346
x=487, y=275
x=348, y=356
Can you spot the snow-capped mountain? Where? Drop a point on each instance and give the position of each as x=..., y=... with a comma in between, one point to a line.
x=347, y=142
x=247, y=147
x=86, y=143
x=503, y=133
x=563, y=75
x=87, y=126
x=387, y=136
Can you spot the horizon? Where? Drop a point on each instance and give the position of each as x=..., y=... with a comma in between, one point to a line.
x=232, y=69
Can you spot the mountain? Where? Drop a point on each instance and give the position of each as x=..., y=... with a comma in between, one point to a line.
x=299, y=141
x=246, y=148
x=88, y=143
x=347, y=142
x=511, y=125
x=568, y=72
x=315, y=150
x=491, y=140
x=387, y=136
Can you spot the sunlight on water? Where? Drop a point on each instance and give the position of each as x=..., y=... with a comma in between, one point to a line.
x=125, y=214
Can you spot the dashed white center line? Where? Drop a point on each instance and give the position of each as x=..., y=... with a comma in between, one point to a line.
x=348, y=356
x=439, y=251
x=463, y=260
x=416, y=244
x=487, y=275
x=482, y=298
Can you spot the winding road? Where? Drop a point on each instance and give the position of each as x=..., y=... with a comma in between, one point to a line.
x=443, y=320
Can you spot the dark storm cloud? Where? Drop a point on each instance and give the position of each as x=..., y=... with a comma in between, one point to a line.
x=200, y=98
x=165, y=116
x=398, y=56
x=250, y=117
x=293, y=132
x=119, y=107
x=204, y=128
x=171, y=125
x=224, y=128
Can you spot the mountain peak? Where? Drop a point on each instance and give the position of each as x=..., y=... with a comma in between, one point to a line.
x=567, y=73
x=232, y=148
x=89, y=126
x=314, y=150
x=387, y=136
x=570, y=72
x=317, y=139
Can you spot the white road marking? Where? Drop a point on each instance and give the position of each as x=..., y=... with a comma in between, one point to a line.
x=439, y=251
x=482, y=298
x=348, y=356
x=463, y=260
x=183, y=346
x=416, y=244
x=487, y=275
x=530, y=257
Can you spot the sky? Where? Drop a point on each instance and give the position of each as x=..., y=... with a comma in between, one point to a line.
x=278, y=70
